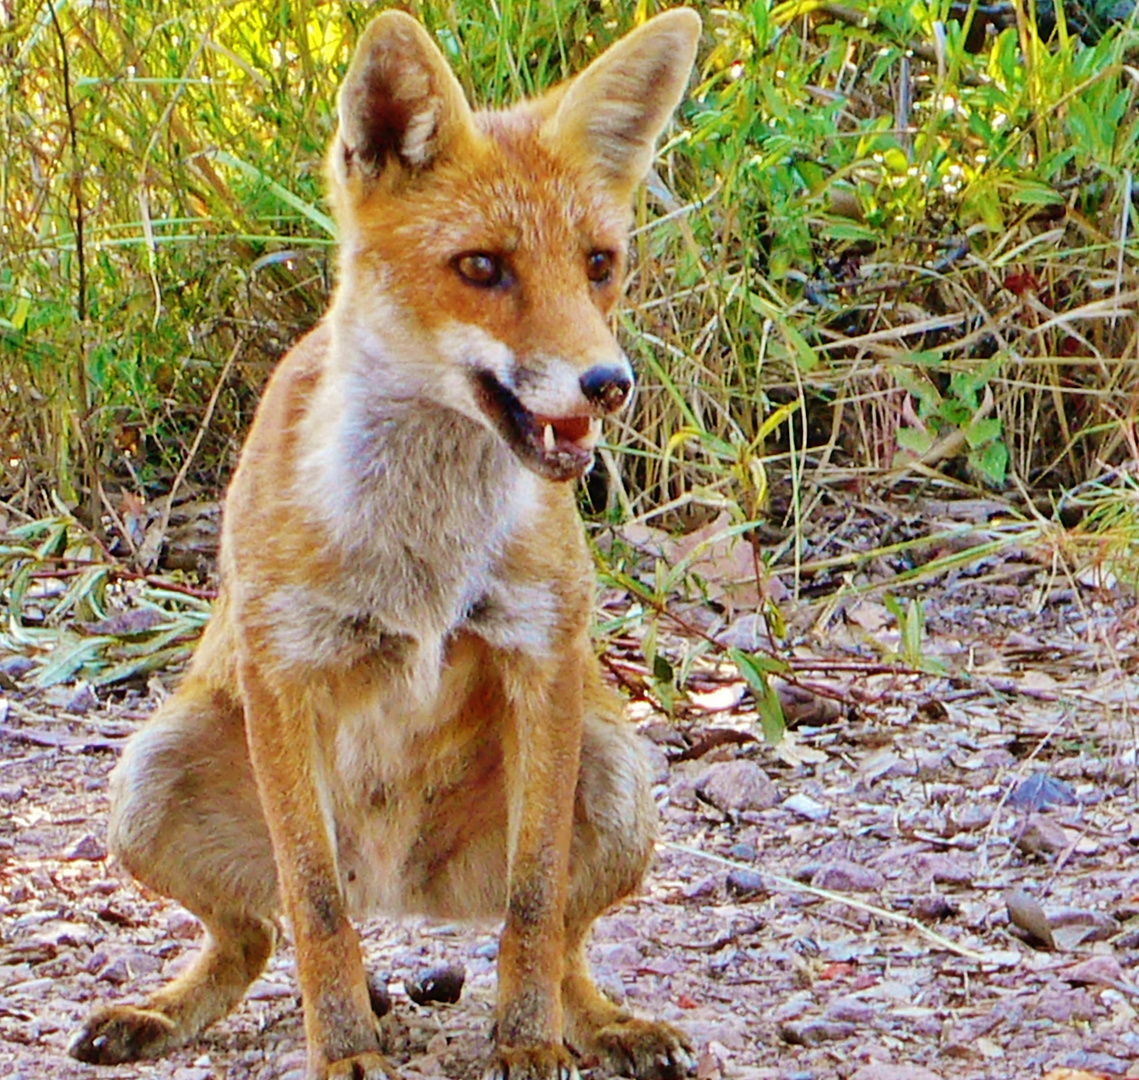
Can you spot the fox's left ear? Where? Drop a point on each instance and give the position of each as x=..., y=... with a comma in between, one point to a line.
x=617, y=107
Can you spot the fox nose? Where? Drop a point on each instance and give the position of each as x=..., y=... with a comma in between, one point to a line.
x=607, y=386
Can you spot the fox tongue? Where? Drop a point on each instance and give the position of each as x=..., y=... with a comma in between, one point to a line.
x=566, y=428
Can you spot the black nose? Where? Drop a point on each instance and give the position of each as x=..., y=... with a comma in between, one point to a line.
x=607, y=387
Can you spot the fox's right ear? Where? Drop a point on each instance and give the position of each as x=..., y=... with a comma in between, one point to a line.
x=400, y=103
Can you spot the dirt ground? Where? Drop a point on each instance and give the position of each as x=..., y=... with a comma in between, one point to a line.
x=933, y=876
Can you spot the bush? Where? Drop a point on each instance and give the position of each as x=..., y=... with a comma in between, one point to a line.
x=867, y=250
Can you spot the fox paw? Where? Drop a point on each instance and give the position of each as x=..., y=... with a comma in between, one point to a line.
x=646, y=1049
x=547, y=1061
x=368, y=1066
x=123, y=1033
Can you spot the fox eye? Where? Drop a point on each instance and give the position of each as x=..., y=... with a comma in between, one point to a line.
x=481, y=269
x=599, y=267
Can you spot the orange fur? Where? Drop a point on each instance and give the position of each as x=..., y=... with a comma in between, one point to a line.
x=396, y=706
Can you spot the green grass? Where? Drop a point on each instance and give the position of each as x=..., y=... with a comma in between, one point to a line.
x=868, y=257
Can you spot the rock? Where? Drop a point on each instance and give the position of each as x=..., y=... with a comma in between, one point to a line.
x=81, y=700
x=1061, y=1005
x=973, y=817
x=1042, y=836
x=126, y=969
x=744, y=852
x=849, y=1010
x=933, y=907
x=443, y=984
x=944, y=869
x=13, y=669
x=89, y=849
x=1039, y=791
x=843, y=875
x=734, y=786
x=806, y=807
x=701, y=888
x=881, y=1070
x=744, y=882
x=1097, y=971
x=814, y=1032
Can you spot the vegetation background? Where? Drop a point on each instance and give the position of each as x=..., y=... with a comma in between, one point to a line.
x=887, y=245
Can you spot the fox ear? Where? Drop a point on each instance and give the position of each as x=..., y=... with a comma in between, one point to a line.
x=617, y=107
x=400, y=102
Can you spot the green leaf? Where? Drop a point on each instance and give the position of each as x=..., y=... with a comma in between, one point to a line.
x=913, y=439
x=991, y=461
x=755, y=668
x=1031, y=193
x=982, y=431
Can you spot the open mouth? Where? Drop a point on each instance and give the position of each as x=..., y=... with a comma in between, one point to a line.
x=556, y=447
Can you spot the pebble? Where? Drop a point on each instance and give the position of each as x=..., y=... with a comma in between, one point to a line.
x=814, y=1032
x=843, y=875
x=744, y=882
x=81, y=700
x=444, y=984
x=849, y=1010
x=733, y=786
x=1039, y=791
x=1042, y=836
x=88, y=848
x=806, y=807
x=881, y=1070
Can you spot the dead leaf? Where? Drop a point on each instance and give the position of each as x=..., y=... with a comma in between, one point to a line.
x=1025, y=913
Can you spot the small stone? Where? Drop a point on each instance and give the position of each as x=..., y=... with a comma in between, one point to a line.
x=843, y=875
x=81, y=700
x=806, y=807
x=1039, y=791
x=1061, y=1005
x=933, y=907
x=13, y=669
x=698, y=890
x=814, y=1032
x=881, y=1070
x=734, y=786
x=88, y=849
x=744, y=852
x=944, y=869
x=1042, y=836
x=744, y=882
x=443, y=984
x=973, y=817
x=849, y=1010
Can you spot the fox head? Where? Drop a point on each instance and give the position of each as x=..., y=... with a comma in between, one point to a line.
x=482, y=253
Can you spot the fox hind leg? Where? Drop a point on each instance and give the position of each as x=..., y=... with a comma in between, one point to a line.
x=187, y=822
x=614, y=834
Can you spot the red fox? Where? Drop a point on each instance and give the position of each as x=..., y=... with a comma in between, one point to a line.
x=396, y=706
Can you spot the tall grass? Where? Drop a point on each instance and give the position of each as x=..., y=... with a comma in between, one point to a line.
x=866, y=251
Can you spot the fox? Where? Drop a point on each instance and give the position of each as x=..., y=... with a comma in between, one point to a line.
x=396, y=708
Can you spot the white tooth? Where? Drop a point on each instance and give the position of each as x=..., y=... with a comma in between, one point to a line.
x=594, y=431
x=548, y=437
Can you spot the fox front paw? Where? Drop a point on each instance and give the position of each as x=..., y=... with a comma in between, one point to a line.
x=547, y=1061
x=123, y=1033
x=368, y=1066
x=645, y=1049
